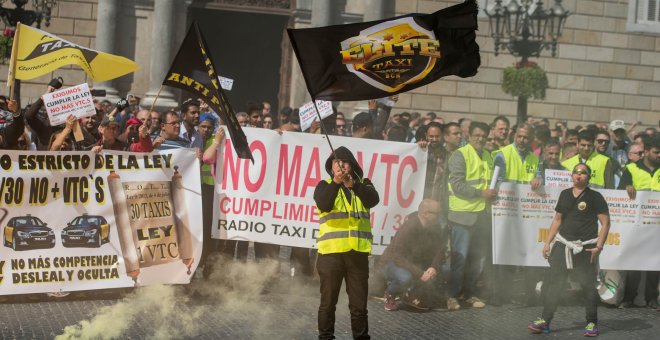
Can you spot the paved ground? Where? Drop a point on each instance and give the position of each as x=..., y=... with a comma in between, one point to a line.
x=243, y=303
x=280, y=315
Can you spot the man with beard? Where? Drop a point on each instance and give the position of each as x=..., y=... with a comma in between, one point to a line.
x=620, y=143
x=642, y=175
x=190, y=120
x=435, y=183
x=602, y=144
x=602, y=175
x=516, y=161
x=518, y=164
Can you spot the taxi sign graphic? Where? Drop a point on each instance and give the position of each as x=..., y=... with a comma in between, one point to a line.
x=392, y=54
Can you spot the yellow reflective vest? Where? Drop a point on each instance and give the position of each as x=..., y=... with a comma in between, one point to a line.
x=478, y=172
x=517, y=170
x=206, y=169
x=346, y=227
x=596, y=162
x=642, y=180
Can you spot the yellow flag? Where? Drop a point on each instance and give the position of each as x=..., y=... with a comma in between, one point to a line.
x=36, y=52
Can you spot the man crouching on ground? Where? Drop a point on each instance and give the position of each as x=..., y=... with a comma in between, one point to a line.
x=414, y=257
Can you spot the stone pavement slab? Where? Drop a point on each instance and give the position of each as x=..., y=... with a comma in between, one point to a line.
x=286, y=310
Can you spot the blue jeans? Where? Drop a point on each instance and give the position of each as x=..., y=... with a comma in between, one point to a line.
x=398, y=279
x=469, y=249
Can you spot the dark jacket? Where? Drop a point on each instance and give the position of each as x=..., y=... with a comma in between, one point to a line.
x=415, y=247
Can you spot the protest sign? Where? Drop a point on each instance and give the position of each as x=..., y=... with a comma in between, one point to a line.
x=75, y=100
x=522, y=218
x=272, y=200
x=308, y=114
x=226, y=83
x=558, y=178
x=117, y=222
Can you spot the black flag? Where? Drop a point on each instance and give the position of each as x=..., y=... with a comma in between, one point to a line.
x=381, y=58
x=192, y=70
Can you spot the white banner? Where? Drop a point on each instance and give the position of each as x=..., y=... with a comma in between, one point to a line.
x=522, y=218
x=308, y=114
x=79, y=221
x=272, y=200
x=75, y=100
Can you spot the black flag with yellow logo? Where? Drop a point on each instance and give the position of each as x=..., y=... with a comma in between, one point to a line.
x=192, y=70
x=381, y=58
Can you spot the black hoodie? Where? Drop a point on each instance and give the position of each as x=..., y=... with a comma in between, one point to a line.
x=325, y=193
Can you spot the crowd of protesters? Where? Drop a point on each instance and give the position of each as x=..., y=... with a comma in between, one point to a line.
x=452, y=146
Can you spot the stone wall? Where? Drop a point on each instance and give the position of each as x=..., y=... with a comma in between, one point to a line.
x=602, y=72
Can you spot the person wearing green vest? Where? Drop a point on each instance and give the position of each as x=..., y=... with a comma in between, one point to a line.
x=603, y=171
x=470, y=170
x=516, y=161
x=518, y=164
x=207, y=123
x=344, y=241
x=643, y=175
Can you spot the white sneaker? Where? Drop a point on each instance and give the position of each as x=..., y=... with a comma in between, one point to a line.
x=475, y=302
x=452, y=304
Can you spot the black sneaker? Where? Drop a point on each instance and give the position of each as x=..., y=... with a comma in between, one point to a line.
x=416, y=302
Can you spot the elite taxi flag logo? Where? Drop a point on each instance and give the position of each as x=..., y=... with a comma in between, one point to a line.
x=38, y=52
x=382, y=58
x=192, y=70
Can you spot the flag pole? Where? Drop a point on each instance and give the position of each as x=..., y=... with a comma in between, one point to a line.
x=325, y=132
x=12, y=62
x=157, y=95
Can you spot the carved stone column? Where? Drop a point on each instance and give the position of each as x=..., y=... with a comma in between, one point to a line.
x=106, y=32
x=162, y=53
x=377, y=9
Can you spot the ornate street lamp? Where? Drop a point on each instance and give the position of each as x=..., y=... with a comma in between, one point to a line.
x=42, y=10
x=525, y=28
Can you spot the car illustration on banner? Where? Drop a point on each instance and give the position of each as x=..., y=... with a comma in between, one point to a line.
x=28, y=232
x=86, y=231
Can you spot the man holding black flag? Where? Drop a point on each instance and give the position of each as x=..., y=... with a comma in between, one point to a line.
x=344, y=241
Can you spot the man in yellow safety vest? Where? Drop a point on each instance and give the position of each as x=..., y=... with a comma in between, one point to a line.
x=344, y=241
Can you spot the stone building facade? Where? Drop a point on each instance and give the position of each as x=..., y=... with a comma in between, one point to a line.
x=607, y=65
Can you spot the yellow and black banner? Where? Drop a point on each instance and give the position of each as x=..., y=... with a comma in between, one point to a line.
x=36, y=52
x=377, y=59
x=192, y=70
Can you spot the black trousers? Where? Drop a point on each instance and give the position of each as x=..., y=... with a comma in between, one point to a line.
x=632, y=283
x=585, y=272
x=209, y=245
x=353, y=267
x=266, y=251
